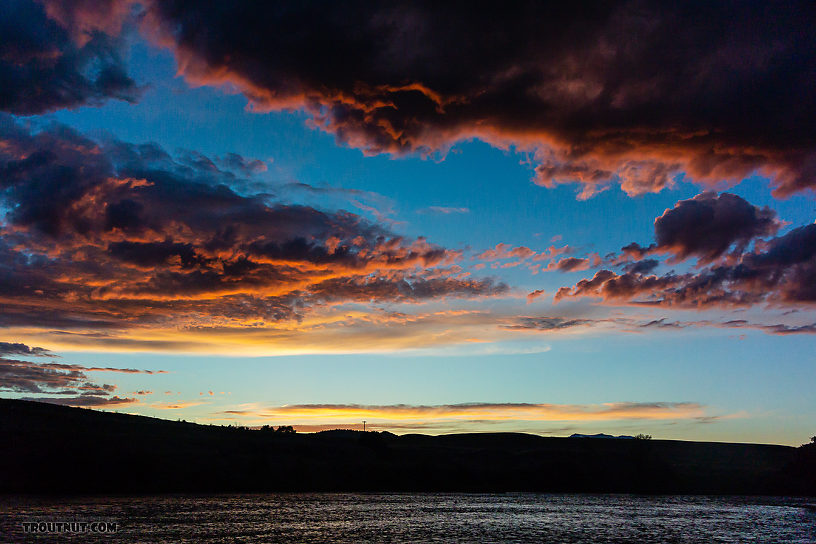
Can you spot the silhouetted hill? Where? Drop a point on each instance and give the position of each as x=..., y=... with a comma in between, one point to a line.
x=55, y=449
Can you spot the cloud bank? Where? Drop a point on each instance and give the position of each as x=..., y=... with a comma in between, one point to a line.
x=632, y=93
x=109, y=236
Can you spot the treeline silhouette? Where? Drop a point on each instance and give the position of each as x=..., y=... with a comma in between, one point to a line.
x=55, y=449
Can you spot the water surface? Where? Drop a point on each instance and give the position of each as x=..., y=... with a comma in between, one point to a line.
x=362, y=517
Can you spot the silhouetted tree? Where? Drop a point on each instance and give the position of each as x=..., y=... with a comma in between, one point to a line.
x=285, y=429
x=644, y=437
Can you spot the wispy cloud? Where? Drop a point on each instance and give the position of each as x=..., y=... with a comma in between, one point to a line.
x=505, y=251
x=179, y=405
x=69, y=381
x=442, y=210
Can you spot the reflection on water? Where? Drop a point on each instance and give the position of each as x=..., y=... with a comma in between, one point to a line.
x=362, y=517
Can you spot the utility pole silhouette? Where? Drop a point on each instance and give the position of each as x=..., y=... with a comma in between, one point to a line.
x=364, y=425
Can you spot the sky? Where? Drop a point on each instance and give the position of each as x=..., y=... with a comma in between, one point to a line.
x=433, y=218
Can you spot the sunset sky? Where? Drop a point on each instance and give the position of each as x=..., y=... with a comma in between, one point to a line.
x=548, y=218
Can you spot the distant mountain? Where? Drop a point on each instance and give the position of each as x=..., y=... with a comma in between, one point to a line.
x=56, y=449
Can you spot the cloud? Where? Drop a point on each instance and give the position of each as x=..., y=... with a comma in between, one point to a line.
x=110, y=236
x=49, y=61
x=626, y=93
x=641, y=267
x=243, y=166
x=556, y=88
x=175, y=405
x=317, y=413
x=547, y=323
x=505, y=251
x=707, y=226
x=437, y=427
x=365, y=289
x=535, y=294
x=58, y=379
x=442, y=210
x=379, y=206
x=612, y=286
x=337, y=327
x=662, y=323
x=23, y=376
x=627, y=324
x=726, y=233
x=569, y=264
x=86, y=401
x=783, y=329
x=552, y=252
x=14, y=348
x=777, y=329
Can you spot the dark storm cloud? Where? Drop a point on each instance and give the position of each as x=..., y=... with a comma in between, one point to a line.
x=707, y=226
x=628, y=92
x=113, y=235
x=728, y=234
x=48, y=63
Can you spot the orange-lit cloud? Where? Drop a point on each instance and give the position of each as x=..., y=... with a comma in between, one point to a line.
x=393, y=416
x=569, y=264
x=506, y=251
x=142, y=242
x=535, y=294
x=632, y=95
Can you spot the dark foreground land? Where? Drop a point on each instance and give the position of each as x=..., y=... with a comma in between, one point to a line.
x=55, y=449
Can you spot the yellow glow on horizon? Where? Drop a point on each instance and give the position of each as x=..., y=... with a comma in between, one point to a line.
x=334, y=330
x=328, y=414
